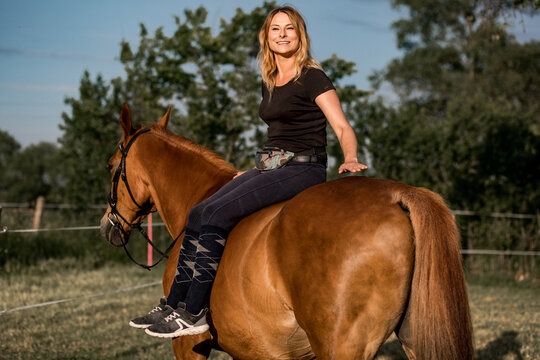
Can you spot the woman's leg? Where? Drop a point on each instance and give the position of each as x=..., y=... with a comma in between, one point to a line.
x=186, y=259
x=218, y=217
x=184, y=268
x=221, y=215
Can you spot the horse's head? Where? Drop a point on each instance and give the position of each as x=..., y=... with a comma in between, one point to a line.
x=129, y=199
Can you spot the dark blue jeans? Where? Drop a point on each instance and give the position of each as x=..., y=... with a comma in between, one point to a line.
x=253, y=191
x=210, y=222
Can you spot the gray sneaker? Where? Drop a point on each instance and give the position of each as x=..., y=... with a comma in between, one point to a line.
x=154, y=316
x=180, y=323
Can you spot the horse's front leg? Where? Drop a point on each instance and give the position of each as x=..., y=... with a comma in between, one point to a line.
x=194, y=347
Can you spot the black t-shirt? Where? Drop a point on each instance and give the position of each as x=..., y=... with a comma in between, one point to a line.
x=295, y=122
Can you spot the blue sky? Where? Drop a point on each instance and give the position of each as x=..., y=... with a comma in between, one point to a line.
x=45, y=46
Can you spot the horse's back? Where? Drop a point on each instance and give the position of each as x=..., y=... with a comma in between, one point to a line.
x=318, y=270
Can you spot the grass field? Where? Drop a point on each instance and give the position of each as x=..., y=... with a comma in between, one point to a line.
x=506, y=317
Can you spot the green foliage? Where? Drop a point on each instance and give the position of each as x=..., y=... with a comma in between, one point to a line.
x=28, y=173
x=89, y=136
x=212, y=80
x=495, y=159
x=467, y=120
x=466, y=124
x=18, y=250
x=33, y=173
x=8, y=147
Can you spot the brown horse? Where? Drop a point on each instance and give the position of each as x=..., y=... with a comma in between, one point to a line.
x=329, y=274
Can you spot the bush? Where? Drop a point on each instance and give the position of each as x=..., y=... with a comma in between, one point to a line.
x=23, y=249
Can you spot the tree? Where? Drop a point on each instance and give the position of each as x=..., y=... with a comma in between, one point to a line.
x=8, y=148
x=218, y=102
x=467, y=120
x=90, y=134
x=212, y=80
x=33, y=173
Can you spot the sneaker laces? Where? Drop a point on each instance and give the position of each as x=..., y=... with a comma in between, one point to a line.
x=160, y=307
x=172, y=316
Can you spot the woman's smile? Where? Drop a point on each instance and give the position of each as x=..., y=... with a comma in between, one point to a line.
x=282, y=36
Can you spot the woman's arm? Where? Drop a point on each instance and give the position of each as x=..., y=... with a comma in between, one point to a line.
x=331, y=107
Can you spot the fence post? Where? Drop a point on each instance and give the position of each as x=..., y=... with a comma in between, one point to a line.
x=150, y=237
x=38, y=211
x=3, y=229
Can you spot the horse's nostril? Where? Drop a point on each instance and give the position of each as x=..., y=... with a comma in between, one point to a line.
x=115, y=237
x=104, y=227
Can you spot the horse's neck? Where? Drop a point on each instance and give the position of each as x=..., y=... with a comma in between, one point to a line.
x=187, y=179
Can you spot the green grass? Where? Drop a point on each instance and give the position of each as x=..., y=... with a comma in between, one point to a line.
x=506, y=316
x=506, y=320
x=94, y=328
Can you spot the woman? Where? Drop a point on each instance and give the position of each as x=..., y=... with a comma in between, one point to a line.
x=298, y=99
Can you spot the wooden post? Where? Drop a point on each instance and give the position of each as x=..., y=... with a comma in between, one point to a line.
x=150, y=237
x=38, y=211
x=3, y=229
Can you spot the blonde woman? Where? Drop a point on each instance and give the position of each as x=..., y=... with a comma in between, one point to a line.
x=297, y=101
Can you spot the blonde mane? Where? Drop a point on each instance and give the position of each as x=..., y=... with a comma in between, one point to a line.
x=185, y=144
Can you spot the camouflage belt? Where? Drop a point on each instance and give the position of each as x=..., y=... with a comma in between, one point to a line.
x=271, y=158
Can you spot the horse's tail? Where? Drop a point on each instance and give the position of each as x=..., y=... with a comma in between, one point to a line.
x=437, y=321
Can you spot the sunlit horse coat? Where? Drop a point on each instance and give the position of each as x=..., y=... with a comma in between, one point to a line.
x=329, y=274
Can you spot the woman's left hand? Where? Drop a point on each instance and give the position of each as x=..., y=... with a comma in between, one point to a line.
x=351, y=166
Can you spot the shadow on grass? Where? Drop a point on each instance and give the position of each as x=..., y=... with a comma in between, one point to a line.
x=498, y=349
x=506, y=344
x=392, y=350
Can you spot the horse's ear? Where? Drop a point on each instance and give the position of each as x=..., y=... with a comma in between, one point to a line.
x=125, y=121
x=165, y=119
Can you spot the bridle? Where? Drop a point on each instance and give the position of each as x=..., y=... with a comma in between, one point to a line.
x=114, y=215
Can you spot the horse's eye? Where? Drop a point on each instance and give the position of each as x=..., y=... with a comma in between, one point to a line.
x=109, y=166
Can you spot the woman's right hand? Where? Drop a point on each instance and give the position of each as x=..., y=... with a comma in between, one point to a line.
x=351, y=166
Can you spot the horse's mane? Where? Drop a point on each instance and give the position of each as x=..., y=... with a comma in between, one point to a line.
x=184, y=143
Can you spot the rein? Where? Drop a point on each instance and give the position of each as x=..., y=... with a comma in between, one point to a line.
x=114, y=214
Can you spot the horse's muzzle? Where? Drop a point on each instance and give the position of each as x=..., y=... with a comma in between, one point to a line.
x=112, y=231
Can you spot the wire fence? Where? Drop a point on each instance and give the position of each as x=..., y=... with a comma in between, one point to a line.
x=54, y=302
x=463, y=251
x=31, y=207
x=73, y=228
x=4, y=229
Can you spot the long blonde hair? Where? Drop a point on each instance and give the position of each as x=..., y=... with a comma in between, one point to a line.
x=266, y=57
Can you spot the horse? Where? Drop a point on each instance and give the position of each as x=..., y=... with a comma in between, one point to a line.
x=328, y=274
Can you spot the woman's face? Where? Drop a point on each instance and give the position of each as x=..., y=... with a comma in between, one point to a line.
x=282, y=37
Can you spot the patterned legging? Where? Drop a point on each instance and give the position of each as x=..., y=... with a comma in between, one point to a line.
x=210, y=222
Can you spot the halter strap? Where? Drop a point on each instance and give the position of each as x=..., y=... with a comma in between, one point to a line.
x=164, y=254
x=112, y=198
x=121, y=171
